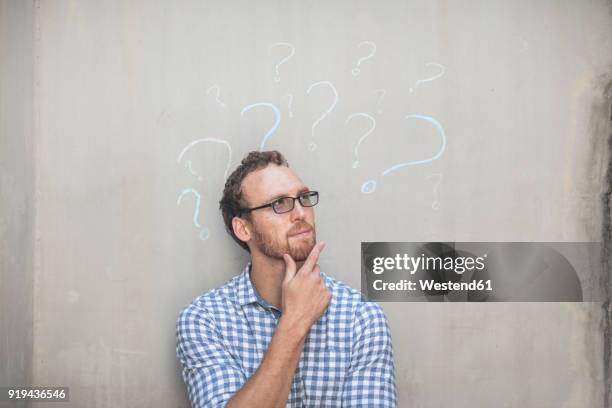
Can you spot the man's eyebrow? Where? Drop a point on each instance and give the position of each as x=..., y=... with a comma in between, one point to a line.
x=277, y=196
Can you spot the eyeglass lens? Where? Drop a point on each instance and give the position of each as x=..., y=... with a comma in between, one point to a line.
x=286, y=204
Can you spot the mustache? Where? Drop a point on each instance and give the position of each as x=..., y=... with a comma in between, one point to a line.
x=301, y=226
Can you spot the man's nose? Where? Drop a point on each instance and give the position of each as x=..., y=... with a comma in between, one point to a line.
x=298, y=212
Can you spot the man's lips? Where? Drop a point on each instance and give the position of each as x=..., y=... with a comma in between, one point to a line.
x=301, y=232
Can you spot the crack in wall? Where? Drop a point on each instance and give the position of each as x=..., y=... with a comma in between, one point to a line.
x=607, y=254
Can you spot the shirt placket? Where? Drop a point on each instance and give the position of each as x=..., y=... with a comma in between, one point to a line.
x=297, y=385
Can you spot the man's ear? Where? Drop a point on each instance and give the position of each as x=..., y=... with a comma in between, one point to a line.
x=241, y=229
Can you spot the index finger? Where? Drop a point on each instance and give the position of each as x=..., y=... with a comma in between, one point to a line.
x=313, y=257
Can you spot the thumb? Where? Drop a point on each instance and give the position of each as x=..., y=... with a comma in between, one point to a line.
x=289, y=268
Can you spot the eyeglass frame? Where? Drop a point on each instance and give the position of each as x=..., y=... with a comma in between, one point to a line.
x=248, y=210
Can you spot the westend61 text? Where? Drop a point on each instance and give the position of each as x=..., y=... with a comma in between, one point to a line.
x=428, y=285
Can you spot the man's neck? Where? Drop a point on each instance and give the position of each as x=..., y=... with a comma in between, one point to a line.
x=267, y=275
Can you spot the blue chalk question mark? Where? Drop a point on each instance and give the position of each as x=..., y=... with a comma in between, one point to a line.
x=277, y=119
x=438, y=75
x=370, y=186
x=205, y=233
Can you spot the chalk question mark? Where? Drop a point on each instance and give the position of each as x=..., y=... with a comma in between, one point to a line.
x=362, y=138
x=370, y=186
x=217, y=95
x=312, y=146
x=287, y=58
x=356, y=71
x=436, y=204
x=204, y=233
x=188, y=165
x=438, y=75
x=206, y=140
x=382, y=93
x=277, y=119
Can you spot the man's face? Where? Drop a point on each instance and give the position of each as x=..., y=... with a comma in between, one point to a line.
x=275, y=234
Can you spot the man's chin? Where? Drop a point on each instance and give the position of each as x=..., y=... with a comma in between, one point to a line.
x=300, y=252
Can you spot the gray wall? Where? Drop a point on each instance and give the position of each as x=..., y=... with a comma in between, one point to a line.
x=17, y=209
x=123, y=88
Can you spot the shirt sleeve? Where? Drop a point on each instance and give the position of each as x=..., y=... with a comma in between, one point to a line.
x=371, y=378
x=212, y=375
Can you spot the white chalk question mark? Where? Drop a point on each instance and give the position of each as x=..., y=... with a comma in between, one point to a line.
x=312, y=146
x=356, y=71
x=204, y=233
x=362, y=138
x=277, y=119
x=291, y=52
x=370, y=186
x=436, y=204
x=188, y=165
x=217, y=95
x=207, y=140
x=382, y=93
x=438, y=75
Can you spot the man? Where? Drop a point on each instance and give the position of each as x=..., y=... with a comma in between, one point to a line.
x=282, y=333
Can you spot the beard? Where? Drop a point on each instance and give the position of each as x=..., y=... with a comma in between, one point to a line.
x=275, y=247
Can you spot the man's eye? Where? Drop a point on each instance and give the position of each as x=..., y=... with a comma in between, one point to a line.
x=282, y=202
x=307, y=197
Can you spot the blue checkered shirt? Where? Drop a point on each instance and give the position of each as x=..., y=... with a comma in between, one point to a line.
x=347, y=360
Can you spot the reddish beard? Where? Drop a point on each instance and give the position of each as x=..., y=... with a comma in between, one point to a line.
x=297, y=246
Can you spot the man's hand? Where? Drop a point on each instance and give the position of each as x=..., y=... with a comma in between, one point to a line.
x=304, y=300
x=304, y=294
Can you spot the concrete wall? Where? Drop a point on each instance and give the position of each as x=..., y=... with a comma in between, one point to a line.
x=17, y=209
x=521, y=91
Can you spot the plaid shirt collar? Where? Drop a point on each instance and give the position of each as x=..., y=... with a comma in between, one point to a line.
x=246, y=292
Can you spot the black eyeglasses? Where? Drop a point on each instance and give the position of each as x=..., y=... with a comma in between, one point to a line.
x=285, y=204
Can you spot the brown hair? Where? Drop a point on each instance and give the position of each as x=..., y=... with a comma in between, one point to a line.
x=232, y=200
